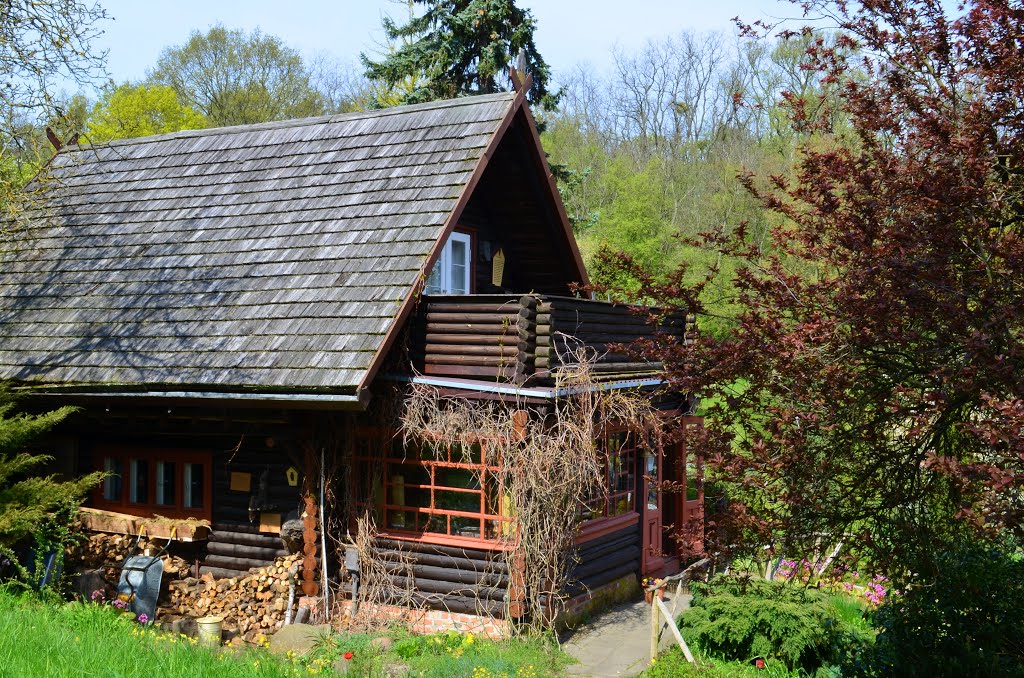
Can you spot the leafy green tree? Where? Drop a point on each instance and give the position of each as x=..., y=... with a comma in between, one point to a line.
x=237, y=78
x=129, y=111
x=33, y=508
x=460, y=47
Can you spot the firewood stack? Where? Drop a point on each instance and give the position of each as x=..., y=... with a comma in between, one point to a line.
x=253, y=605
x=109, y=551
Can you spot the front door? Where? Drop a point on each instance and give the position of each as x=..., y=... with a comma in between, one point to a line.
x=651, y=561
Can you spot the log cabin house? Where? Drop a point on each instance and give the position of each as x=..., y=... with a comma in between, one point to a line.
x=225, y=305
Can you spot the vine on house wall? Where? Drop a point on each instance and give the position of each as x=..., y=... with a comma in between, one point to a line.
x=552, y=467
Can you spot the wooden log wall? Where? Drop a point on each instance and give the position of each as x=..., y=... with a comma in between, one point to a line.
x=508, y=339
x=236, y=543
x=471, y=581
x=605, y=559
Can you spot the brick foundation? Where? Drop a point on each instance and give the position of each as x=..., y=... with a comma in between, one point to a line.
x=433, y=621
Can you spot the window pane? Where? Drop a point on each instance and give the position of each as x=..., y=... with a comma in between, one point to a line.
x=459, y=267
x=165, y=483
x=138, y=485
x=112, y=483
x=193, y=486
x=434, y=284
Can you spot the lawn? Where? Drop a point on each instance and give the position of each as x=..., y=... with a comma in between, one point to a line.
x=55, y=639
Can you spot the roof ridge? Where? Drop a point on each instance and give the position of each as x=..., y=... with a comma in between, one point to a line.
x=301, y=122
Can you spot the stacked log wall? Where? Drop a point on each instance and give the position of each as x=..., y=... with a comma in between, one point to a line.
x=602, y=560
x=529, y=338
x=447, y=578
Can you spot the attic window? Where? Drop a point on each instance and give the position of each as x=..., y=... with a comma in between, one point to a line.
x=452, y=269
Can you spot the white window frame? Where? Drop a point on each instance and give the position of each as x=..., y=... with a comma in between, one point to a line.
x=441, y=277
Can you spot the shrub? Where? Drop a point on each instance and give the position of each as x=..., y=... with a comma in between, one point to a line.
x=967, y=619
x=737, y=618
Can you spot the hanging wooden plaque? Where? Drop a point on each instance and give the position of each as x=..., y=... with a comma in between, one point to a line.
x=498, y=268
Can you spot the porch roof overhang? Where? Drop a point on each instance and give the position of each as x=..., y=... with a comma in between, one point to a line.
x=517, y=391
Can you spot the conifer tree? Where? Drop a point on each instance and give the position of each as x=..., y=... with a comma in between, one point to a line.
x=460, y=47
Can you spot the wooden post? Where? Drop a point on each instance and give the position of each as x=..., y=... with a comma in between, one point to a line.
x=309, y=585
x=655, y=627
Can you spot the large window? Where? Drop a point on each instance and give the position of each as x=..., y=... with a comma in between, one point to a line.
x=445, y=493
x=172, y=483
x=451, y=273
x=619, y=495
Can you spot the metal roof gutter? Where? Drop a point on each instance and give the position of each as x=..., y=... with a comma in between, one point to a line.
x=548, y=392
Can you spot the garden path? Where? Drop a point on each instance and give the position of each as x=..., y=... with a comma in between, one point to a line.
x=617, y=642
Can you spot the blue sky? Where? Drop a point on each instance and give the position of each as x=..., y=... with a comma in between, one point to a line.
x=569, y=31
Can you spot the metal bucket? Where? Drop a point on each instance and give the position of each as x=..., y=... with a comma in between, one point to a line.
x=210, y=631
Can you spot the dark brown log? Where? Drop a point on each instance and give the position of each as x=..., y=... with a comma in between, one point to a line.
x=605, y=562
x=447, y=359
x=489, y=349
x=469, y=371
x=443, y=560
x=456, y=551
x=470, y=339
x=446, y=574
x=449, y=588
x=473, y=307
x=261, y=540
x=218, y=548
x=471, y=328
x=242, y=564
x=222, y=572
x=508, y=318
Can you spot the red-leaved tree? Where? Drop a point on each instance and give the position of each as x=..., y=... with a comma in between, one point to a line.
x=873, y=384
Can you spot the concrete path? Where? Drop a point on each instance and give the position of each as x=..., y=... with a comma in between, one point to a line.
x=618, y=641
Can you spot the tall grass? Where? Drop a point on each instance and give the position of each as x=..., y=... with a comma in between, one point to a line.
x=76, y=640
x=54, y=639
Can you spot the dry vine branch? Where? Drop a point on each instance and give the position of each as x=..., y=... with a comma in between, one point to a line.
x=551, y=465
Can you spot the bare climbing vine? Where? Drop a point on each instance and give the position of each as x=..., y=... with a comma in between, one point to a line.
x=552, y=467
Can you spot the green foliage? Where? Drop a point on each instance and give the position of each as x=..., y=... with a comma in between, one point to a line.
x=449, y=654
x=40, y=507
x=237, y=78
x=966, y=619
x=69, y=640
x=673, y=664
x=460, y=47
x=129, y=111
x=740, y=619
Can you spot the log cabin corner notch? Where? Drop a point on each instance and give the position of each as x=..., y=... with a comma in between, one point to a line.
x=222, y=304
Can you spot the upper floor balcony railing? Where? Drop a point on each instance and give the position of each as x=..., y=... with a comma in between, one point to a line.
x=531, y=338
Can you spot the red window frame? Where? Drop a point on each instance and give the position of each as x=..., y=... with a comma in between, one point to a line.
x=179, y=457
x=380, y=460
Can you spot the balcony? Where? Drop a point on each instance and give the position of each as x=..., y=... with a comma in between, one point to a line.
x=533, y=339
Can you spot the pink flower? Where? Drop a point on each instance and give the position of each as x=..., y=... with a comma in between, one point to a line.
x=119, y=604
x=142, y=619
x=98, y=595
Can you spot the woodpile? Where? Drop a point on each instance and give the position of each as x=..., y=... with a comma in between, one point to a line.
x=253, y=604
x=109, y=551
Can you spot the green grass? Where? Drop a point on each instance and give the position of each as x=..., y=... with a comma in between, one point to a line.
x=57, y=640
x=54, y=639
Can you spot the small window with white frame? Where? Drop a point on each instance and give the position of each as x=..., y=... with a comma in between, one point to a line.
x=451, y=271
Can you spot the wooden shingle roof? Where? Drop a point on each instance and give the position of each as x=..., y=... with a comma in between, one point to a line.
x=268, y=257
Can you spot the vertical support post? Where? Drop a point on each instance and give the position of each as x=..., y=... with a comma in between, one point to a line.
x=655, y=626
x=309, y=546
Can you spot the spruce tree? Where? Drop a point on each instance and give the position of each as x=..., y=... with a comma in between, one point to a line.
x=461, y=47
x=34, y=509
